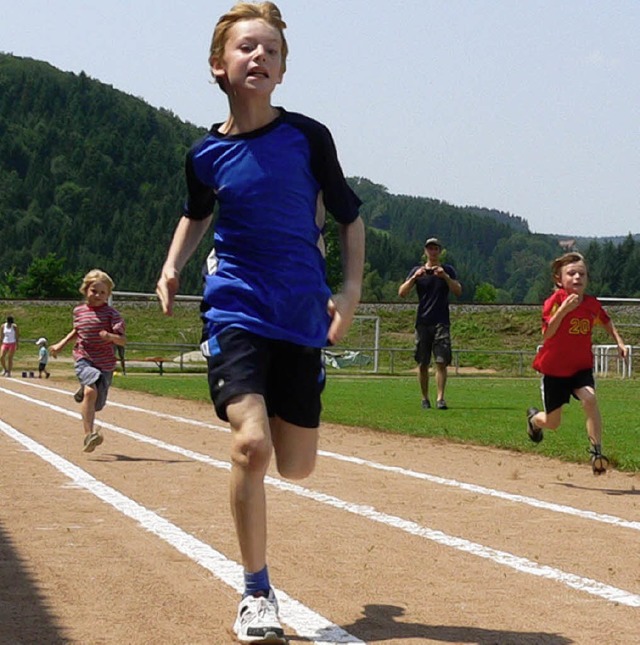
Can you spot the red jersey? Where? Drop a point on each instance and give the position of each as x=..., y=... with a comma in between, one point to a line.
x=569, y=351
x=88, y=323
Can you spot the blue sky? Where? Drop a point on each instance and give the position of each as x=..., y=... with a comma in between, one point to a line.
x=528, y=106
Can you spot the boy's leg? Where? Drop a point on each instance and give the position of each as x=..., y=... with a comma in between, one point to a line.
x=295, y=448
x=587, y=397
x=548, y=420
x=441, y=379
x=424, y=345
x=251, y=450
x=88, y=408
x=442, y=354
x=423, y=380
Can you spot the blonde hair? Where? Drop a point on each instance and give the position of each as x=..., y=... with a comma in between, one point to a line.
x=266, y=11
x=96, y=275
x=562, y=261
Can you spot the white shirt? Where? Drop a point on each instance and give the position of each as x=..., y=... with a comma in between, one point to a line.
x=8, y=334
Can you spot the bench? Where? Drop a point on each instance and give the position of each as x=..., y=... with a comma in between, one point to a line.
x=159, y=361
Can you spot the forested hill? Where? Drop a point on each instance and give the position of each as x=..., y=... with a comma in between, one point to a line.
x=87, y=172
x=95, y=176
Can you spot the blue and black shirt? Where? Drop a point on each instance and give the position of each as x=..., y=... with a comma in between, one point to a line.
x=273, y=187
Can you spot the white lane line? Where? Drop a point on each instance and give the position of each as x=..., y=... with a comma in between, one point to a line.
x=522, y=565
x=307, y=623
x=434, y=479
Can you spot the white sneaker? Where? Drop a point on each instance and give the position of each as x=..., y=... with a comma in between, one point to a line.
x=257, y=620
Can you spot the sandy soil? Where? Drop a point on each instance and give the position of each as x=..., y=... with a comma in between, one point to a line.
x=391, y=540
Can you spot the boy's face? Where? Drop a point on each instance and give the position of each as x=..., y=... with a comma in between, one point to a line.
x=252, y=58
x=433, y=253
x=573, y=278
x=97, y=294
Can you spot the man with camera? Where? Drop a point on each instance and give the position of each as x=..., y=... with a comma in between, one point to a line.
x=433, y=282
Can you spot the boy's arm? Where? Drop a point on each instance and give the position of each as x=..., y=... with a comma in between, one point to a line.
x=60, y=345
x=343, y=306
x=116, y=339
x=186, y=237
x=407, y=285
x=454, y=284
x=613, y=332
x=569, y=304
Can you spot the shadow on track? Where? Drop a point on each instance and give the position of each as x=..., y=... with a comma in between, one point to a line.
x=25, y=616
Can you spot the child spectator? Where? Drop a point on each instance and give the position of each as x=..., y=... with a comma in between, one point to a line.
x=96, y=328
x=43, y=357
x=565, y=359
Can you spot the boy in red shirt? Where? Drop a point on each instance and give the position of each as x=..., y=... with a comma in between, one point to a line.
x=565, y=359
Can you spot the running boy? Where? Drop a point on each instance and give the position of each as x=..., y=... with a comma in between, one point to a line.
x=267, y=309
x=96, y=328
x=43, y=357
x=566, y=359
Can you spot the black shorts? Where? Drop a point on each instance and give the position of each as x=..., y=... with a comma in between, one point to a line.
x=433, y=339
x=290, y=377
x=558, y=390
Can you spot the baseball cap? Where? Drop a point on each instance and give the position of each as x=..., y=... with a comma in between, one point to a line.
x=433, y=240
x=41, y=341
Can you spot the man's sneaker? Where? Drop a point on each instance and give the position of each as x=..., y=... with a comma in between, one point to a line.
x=257, y=620
x=535, y=433
x=79, y=395
x=92, y=441
x=599, y=462
x=425, y=404
x=442, y=405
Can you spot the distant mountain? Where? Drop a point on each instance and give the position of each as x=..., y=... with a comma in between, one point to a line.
x=96, y=176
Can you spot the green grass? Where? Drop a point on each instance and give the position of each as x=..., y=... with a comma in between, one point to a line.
x=484, y=411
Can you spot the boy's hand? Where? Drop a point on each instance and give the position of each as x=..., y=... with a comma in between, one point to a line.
x=167, y=288
x=571, y=302
x=341, y=308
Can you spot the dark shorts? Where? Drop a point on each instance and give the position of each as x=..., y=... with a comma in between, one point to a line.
x=289, y=377
x=433, y=339
x=558, y=390
x=89, y=374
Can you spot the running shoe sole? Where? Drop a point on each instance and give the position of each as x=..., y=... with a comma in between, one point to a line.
x=535, y=434
x=92, y=441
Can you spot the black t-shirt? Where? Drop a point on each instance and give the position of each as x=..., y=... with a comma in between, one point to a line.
x=433, y=296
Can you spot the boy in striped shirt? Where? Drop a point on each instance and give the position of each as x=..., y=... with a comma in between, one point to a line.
x=96, y=328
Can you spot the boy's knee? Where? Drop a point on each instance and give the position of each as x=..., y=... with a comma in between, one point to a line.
x=251, y=453
x=300, y=469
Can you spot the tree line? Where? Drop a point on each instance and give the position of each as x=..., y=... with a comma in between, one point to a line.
x=93, y=177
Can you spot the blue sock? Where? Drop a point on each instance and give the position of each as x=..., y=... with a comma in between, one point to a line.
x=256, y=583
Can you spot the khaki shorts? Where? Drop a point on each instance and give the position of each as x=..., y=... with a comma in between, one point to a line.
x=433, y=339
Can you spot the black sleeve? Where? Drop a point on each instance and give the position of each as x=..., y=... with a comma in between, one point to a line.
x=200, y=198
x=338, y=197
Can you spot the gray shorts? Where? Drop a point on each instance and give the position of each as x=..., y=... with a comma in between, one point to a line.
x=89, y=374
